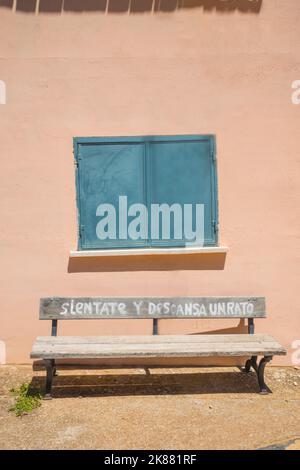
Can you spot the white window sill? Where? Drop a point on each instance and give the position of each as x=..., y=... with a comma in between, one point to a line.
x=148, y=251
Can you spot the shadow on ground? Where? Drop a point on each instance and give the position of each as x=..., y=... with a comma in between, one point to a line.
x=148, y=384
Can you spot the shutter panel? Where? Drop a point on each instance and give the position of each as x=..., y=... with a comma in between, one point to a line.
x=182, y=171
x=148, y=170
x=107, y=170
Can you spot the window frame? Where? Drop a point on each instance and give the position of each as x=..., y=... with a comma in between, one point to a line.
x=78, y=141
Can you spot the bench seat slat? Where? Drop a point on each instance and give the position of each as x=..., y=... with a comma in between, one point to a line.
x=155, y=346
x=131, y=339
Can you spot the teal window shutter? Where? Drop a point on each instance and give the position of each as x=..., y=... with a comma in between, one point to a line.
x=182, y=172
x=148, y=170
x=107, y=171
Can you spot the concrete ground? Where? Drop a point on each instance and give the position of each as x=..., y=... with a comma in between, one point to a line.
x=186, y=408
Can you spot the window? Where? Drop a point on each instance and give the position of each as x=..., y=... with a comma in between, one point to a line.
x=121, y=178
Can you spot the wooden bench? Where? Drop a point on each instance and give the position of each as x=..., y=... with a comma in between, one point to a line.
x=50, y=348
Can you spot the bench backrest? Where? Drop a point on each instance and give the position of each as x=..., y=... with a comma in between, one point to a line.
x=62, y=308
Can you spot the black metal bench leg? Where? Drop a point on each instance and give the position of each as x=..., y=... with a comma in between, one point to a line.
x=263, y=389
x=251, y=363
x=254, y=363
x=49, y=365
x=54, y=368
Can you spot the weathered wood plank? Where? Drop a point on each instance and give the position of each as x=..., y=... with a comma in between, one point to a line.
x=56, y=354
x=67, y=308
x=166, y=347
x=170, y=344
x=145, y=339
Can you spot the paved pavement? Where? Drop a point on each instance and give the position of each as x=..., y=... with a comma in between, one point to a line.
x=186, y=408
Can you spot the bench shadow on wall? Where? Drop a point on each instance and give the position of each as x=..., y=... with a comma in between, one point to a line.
x=129, y=6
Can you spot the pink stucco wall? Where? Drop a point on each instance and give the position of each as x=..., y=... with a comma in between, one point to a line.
x=188, y=70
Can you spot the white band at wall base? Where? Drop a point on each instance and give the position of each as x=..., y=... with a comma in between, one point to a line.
x=2, y=352
x=2, y=92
